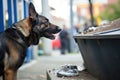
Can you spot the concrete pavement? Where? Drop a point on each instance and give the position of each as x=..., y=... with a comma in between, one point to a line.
x=36, y=69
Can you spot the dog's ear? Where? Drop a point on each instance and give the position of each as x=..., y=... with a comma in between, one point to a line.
x=32, y=11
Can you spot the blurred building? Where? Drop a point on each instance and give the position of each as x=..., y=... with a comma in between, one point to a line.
x=83, y=12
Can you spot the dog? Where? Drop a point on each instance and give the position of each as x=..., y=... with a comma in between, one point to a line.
x=16, y=39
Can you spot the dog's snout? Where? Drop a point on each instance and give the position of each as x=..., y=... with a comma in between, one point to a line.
x=58, y=29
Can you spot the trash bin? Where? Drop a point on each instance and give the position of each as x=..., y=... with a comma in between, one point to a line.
x=101, y=55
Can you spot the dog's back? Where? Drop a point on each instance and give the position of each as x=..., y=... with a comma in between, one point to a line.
x=2, y=52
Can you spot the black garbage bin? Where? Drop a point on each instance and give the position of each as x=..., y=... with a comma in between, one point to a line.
x=101, y=54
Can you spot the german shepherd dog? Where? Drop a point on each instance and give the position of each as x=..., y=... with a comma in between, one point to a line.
x=16, y=39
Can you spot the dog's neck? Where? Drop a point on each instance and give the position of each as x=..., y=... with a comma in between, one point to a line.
x=24, y=26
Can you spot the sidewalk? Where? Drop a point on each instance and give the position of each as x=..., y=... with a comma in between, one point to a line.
x=36, y=70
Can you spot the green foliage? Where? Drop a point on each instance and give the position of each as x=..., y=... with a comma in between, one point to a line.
x=112, y=12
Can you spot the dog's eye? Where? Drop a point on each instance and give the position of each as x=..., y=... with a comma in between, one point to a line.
x=46, y=20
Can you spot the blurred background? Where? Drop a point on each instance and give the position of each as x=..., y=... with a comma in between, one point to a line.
x=76, y=15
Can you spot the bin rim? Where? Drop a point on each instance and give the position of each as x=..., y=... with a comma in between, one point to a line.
x=96, y=36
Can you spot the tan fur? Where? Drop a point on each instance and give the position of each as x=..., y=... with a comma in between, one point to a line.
x=14, y=56
x=9, y=61
x=24, y=26
x=10, y=75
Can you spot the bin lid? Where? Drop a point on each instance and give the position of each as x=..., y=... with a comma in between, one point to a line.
x=97, y=36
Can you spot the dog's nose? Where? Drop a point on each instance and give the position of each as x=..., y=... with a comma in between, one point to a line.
x=58, y=29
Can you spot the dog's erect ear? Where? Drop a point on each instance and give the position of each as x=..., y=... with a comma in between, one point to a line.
x=32, y=11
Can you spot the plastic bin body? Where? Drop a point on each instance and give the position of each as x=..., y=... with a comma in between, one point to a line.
x=101, y=54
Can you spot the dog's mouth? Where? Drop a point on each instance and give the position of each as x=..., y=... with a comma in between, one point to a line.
x=50, y=34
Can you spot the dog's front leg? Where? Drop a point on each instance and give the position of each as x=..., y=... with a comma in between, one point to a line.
x=10, y=75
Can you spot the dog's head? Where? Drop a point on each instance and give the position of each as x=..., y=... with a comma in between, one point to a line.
x=41, y=25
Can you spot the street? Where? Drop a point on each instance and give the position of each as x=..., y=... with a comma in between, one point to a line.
x=36, y=69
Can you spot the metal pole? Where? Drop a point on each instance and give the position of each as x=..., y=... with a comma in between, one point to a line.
x=9, y=12
x=71, y=25
x=1, y=16
x=25, y=9
x=15, y=10
x=47, y=46
x=91, y=12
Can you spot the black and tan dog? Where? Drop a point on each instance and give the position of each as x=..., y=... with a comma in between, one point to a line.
x=15, y=40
